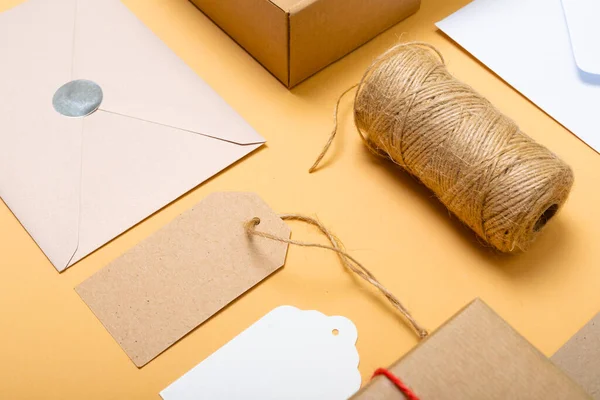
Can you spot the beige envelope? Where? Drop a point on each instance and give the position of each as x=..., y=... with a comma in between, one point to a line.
x=76, y=183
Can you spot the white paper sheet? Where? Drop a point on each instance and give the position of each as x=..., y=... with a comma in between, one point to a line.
x=526, y=42
x=288, y=354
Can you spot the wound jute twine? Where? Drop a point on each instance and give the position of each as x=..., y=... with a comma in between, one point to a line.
x=492, y=176
x=495, y=178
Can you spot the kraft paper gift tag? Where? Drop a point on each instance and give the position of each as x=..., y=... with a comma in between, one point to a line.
x=170, y=283
x=476, y=355
x=288, y=354
x=580, y=357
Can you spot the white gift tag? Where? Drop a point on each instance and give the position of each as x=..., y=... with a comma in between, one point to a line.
x=287, y=354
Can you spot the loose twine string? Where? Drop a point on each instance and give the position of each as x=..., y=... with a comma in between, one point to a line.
x=347, y=260
x=494, y=178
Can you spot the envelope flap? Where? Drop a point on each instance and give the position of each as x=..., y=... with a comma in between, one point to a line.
x=132, y=168
x=142, y=78
x=584, y=30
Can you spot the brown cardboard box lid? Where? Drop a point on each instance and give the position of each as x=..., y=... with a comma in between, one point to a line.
x=475, y=355
x=294, y=39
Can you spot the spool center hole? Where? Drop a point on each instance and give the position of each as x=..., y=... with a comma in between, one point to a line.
x=545, y=217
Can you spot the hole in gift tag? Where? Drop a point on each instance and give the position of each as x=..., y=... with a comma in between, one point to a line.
x=335, y=332
x=77, y=98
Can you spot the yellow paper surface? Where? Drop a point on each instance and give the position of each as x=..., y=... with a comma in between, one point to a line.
x=53, y=347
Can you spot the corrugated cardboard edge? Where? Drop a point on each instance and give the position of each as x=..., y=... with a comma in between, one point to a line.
x=295, y=4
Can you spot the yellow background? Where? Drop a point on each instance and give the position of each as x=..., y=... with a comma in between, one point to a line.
x=52, y=346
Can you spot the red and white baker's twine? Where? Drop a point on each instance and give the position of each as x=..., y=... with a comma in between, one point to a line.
x=406, y=391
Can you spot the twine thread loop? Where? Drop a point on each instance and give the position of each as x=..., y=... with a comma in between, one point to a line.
x=347, y=260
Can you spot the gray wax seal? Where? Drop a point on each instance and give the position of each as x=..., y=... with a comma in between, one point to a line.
x=77, y=98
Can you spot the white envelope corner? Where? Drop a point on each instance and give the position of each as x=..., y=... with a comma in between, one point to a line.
x=582, y=18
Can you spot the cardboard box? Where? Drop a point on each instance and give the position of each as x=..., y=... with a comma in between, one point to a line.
x=475, y=356
x=296, y=38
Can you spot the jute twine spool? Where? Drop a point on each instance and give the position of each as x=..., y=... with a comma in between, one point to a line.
x=492, y=176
